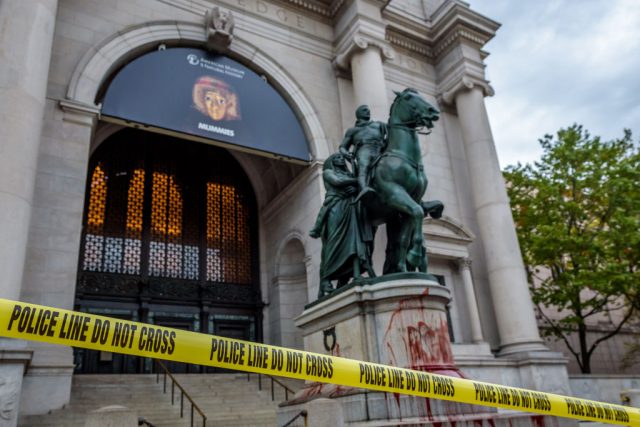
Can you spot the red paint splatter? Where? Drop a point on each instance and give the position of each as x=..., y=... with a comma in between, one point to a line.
x=430, y=349
x=538, y=420
x=316, y=389
x=444, y=344
x=429, y=413
x=391, y=352
x=397, y=397
x=417, y=354
x=417, y=337
x=336, y=350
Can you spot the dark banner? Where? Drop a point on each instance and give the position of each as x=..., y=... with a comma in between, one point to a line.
x=206, y=95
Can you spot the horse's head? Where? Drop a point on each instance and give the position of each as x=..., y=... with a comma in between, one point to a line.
x=410, y=109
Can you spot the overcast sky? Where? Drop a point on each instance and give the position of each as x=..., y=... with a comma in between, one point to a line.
x=558, y=62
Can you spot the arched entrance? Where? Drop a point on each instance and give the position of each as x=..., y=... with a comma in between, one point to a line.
x=169, y=238
x=288, y=295
x=154, y=258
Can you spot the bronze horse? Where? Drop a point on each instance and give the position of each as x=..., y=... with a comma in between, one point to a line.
x=400, y=182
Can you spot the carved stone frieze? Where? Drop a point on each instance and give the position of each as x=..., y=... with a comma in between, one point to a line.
x=317, y=7
x=455, y=36
x=411, y=44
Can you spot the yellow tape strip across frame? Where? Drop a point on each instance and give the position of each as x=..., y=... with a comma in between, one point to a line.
x=57, y=326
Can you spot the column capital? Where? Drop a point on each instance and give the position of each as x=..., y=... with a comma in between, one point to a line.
x=463, y=263
x=357, y=42
x=464, y=82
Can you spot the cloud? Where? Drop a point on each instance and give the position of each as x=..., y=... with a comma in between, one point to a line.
x=557, y=62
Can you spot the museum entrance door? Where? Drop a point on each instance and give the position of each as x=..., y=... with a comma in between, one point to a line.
x=169, y=238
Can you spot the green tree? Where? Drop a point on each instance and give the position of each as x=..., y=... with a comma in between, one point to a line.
x=577, y=214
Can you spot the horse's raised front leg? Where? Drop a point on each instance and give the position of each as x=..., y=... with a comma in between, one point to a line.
x=398, y=199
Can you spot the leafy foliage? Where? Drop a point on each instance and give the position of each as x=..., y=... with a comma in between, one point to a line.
x=577, y=214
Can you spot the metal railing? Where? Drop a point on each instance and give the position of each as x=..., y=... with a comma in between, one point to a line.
x=183, y=393
x=302, y=414
x=287, y=390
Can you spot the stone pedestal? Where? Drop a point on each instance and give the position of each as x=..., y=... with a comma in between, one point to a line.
x=401, y=321
x=324, y=413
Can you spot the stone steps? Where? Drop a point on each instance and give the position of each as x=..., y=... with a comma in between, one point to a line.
x=226, y=399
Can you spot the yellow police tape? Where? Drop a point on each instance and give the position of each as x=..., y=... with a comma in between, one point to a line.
x=56, y=326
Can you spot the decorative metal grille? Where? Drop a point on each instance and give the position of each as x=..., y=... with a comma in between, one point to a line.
x=94, y=226
x=169, y=210
x=134, y=225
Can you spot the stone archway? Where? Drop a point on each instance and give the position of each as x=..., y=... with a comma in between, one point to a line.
x=99, y=64
x=288, y=294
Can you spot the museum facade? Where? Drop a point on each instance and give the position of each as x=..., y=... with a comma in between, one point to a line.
x=162, y=162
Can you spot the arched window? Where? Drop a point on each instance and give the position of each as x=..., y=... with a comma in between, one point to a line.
x=162, y=210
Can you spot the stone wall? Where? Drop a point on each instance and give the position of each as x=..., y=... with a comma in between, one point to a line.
x=604, y=388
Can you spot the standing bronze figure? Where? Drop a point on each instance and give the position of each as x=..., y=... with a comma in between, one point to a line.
x=344, y=251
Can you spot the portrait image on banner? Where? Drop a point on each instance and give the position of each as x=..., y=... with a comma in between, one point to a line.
x=216, y=99
x=211, y=96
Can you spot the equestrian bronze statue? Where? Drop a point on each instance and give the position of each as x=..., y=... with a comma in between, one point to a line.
x=390, y=192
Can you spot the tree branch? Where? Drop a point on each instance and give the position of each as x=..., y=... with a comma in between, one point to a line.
x=614, y=332
x=597, y=308
x=560, y=333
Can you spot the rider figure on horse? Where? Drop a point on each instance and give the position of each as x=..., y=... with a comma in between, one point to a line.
x=369, y=139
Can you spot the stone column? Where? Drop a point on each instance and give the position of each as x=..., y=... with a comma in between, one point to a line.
x=369, y=85
x=25, y=50
x=360, y=49
x=464, y=266
x=516, y=320
x=362, y=55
